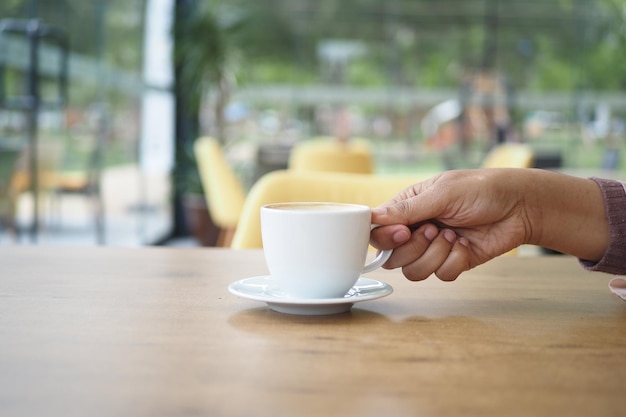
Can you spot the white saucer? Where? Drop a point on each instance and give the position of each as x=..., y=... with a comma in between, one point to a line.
x=264, y=288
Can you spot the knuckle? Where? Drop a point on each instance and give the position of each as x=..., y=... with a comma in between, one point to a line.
x=414, y=274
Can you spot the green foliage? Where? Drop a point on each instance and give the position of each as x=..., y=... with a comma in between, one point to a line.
x=543, y=45
x=364, y=72
x=265, y=71
x=606, y=66
x=200, y=52
x=436, y=71
x=536, y=42
x=553, y=75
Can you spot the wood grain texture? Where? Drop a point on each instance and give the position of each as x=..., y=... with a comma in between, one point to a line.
x=154, y=332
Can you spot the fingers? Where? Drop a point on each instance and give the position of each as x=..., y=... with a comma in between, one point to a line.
x=399, y=212
x=425, y=251
x=389, y=237
x=431, y=251
x=415, y=247
x=458, y=261
x=412, y=206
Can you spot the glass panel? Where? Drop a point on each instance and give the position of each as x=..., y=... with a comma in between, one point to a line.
x=103, y=175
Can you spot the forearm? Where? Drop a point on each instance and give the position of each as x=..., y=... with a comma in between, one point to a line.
x=568, y=214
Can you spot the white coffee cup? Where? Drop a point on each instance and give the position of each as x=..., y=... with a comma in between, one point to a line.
x=317, y=250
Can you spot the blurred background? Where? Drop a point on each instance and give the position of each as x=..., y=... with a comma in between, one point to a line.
x=101, y=102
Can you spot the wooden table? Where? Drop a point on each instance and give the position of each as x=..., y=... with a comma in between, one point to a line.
x=154, y=332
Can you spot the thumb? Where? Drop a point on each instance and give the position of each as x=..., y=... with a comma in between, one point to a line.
x=408, y=211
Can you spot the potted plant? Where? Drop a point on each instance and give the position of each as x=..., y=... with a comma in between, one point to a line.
x=199, y=59
x=211, y=37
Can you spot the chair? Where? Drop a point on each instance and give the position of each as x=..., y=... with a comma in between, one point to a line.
x=288, y=185
x=223, y=190
x=330, y=155
x=9, y=157
x=49, y=155
x=509, y=155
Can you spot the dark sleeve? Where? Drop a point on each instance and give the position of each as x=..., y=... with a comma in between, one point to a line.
x=614, y=259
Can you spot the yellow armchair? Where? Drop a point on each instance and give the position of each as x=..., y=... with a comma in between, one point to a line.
x=330, y=155
x=288, y=185
x=223, y=190
x=509, y=155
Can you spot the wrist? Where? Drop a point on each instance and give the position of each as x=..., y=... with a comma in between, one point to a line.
x=529, y=199
x=567, y=214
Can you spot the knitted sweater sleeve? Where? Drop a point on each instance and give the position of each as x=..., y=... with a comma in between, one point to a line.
x=614, y=259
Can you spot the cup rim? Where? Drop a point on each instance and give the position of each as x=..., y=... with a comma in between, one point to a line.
x=346, y=207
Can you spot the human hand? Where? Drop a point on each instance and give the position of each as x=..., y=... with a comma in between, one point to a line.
x=452, y=222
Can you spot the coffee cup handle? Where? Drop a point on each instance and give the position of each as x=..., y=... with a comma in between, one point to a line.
x=380, y=259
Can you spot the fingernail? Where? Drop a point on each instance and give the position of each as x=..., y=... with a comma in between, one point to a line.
x=449, y=235
x=463, y=241
x=401, y=236
x=379, y=211
x=430, y=232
